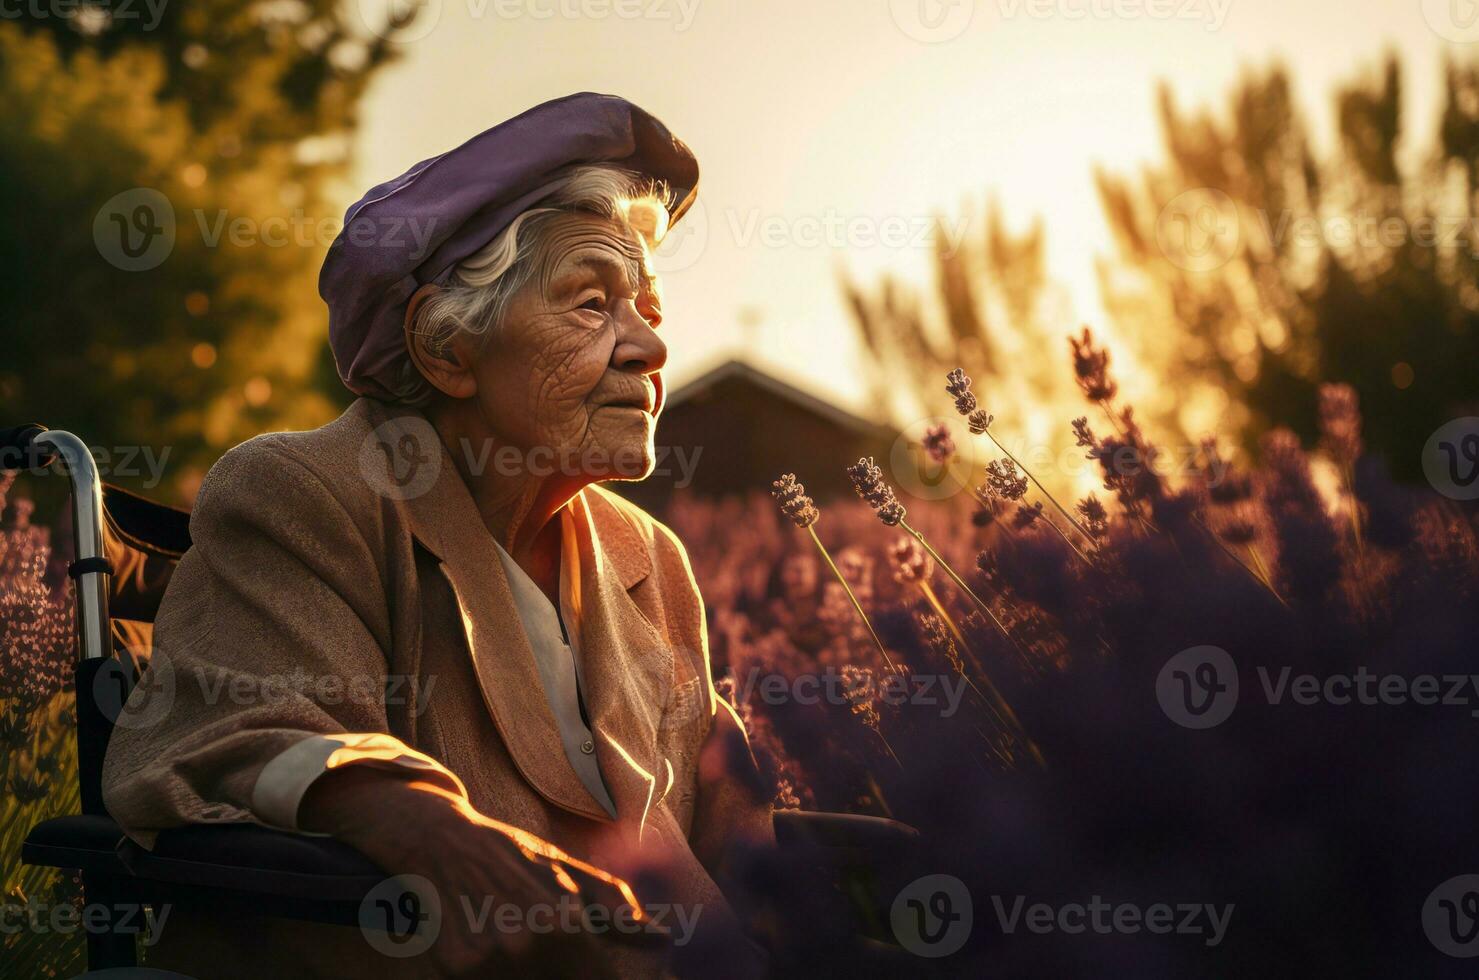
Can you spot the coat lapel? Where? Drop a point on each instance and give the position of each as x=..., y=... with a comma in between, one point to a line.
x=628, y=666
x=445, y=520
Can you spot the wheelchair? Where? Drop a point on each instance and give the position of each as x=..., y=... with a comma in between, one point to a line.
x=126, y=548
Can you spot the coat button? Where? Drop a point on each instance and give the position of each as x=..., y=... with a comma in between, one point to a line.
x=587, y=746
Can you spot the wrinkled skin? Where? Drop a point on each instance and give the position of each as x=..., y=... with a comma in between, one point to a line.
x=565, y=391
x=575, y=365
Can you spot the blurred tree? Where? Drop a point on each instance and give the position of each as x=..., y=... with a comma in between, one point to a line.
x=185, y=319
x=1274, y=268
x=994, y=312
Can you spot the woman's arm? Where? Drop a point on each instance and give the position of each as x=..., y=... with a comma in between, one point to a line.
x=270, y=657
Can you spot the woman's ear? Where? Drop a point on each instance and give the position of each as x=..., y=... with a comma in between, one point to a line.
x=448, y=370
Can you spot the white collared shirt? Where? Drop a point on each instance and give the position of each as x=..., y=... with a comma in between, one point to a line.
x=559, y=672
x=285, y=779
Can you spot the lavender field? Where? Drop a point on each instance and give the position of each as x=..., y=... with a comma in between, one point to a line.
x=1235, y=696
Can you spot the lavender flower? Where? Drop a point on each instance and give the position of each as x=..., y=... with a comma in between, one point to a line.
x=911, y=564
x=1096, y=519
x=1224, y=486
x=1083, y=435
x=1004, y=480
x=1027, y=515
x=1340, y=423
x=958, y=384
x=937, y=443
x=937, y=634
x=1091, y=366
x=867, y=480
x=795, y=504
x=859, y=690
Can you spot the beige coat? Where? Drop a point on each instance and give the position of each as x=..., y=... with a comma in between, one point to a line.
x=304, y=569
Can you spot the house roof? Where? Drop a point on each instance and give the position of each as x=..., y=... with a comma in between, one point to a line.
x=735, y=370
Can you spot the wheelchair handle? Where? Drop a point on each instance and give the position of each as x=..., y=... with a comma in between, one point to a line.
x=34, y=447
x=19, y=449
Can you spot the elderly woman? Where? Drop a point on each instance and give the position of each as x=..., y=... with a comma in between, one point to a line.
x=425, y=629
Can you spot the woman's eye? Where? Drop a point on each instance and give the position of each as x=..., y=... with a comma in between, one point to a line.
x=594, y=303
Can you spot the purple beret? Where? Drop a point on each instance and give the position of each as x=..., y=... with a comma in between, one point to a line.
x=413, y=230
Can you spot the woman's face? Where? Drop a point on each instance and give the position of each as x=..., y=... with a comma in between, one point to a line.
x=571, y=376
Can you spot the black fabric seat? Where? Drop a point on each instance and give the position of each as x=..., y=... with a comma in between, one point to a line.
x=245, y=857
x=85, y=841
x=226, y=865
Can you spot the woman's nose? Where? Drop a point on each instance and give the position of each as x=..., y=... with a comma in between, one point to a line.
x=638, y=346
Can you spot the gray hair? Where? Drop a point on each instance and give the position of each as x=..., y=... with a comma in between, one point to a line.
x=475, y=299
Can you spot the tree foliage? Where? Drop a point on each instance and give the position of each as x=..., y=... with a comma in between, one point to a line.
x=240, y=116
x=1276, y=266
x=1248, y=267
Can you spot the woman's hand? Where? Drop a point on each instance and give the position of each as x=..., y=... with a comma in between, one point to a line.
x=477, y=866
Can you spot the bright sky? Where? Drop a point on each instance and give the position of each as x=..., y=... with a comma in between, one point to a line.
x=830, y=131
